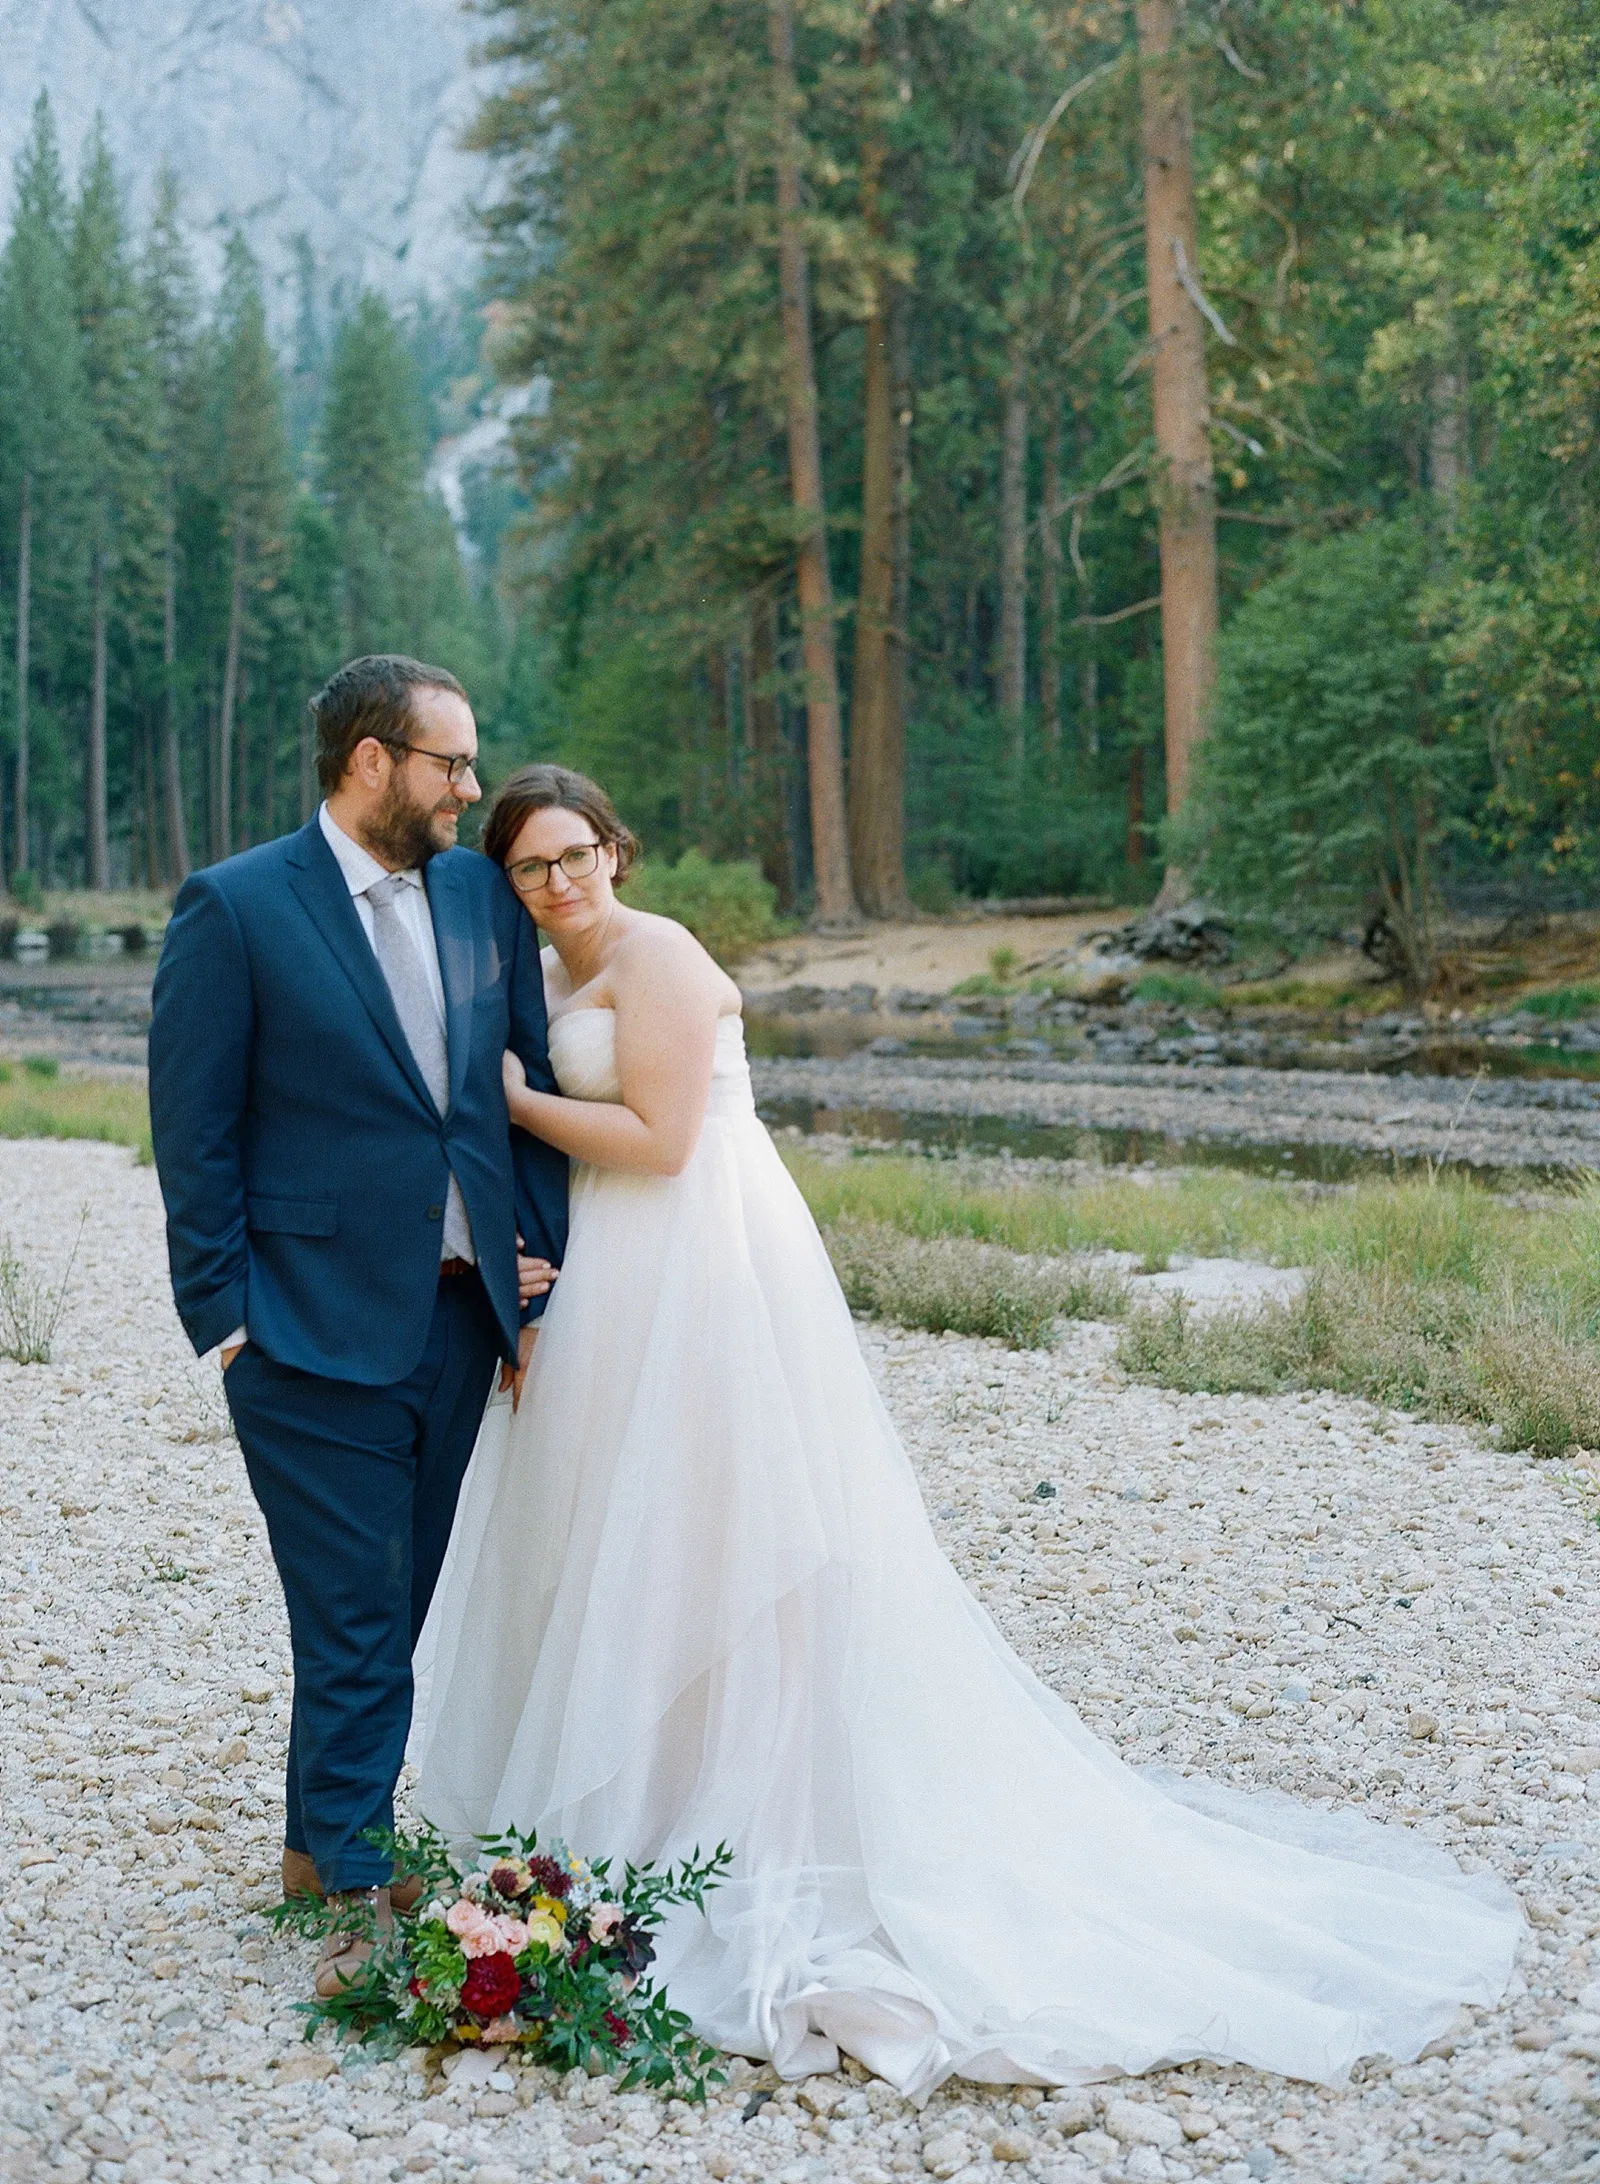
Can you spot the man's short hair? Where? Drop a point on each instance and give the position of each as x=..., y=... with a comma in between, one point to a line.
x=369, y=697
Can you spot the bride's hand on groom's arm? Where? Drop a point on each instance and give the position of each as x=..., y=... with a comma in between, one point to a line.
x=534, y=1276
x=513, y=1377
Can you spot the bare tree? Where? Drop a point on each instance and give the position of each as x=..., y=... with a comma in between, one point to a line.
x=1181, y=397
x=830, y=846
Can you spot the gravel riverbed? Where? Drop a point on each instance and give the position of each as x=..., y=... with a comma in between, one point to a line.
x=1297, y=1593
x=1501, y=1123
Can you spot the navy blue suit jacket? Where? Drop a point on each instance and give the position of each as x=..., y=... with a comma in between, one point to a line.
x=302, y=1160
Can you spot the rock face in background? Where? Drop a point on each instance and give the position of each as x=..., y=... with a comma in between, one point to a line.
x=338, y=118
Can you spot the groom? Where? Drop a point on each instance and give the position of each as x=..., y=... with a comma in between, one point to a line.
x=345, y=1202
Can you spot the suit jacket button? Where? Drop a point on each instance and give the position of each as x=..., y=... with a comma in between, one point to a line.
x=435, y=1213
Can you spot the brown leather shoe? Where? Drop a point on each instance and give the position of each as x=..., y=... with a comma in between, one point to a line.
x=345, y=1952
x=300, y=1878
x=299, y=1874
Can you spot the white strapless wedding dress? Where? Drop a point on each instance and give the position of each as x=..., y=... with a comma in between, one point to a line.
x=693, y=1597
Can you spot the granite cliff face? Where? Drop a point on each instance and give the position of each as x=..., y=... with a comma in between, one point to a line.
x=338, y=118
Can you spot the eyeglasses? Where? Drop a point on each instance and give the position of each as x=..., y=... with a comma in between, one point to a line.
x=534, y=872
x=457, y=765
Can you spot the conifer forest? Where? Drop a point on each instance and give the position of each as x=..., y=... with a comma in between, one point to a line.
x=955, y=448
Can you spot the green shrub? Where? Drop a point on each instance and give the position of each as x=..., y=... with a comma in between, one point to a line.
x=41, y=1065
x=729, y=908
x=1565, y=1003
x=1178, y=989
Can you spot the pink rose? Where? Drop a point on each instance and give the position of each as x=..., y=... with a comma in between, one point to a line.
x=477, y=1932
x=604, y=1920
x=513, y=1933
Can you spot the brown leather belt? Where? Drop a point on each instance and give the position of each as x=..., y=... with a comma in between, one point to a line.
x=451, y=1270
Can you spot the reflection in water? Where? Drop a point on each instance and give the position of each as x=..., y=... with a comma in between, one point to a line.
x=1119, y=1148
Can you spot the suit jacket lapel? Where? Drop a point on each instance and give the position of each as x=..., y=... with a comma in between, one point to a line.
x=315, y=877
x=456, y=940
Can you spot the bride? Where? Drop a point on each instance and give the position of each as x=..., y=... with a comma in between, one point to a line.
x=693, y=1597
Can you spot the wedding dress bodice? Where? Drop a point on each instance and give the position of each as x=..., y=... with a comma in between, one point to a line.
x=583, y=1053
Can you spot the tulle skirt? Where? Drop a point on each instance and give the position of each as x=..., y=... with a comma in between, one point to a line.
x=693, y=1598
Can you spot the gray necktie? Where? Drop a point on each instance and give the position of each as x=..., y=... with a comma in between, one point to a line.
x=409, y=987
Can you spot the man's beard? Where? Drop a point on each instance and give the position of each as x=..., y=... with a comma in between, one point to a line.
x=400, y=833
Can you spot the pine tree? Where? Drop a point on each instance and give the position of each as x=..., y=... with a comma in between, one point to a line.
x=125, y=532
x=171, y=312
x=370, y=466
x=830, y=842
x=254, y=484
x=43, y=435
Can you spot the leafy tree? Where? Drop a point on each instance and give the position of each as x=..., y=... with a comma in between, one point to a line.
x=1324, y=786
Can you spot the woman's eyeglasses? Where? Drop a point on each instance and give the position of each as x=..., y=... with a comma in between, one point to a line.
x=533, y=873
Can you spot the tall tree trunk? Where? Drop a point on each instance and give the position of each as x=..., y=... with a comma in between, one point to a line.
x=269, y=777
x=177, y=825
x=1447, y=437
x=243, y=833
x=900, y=538
x=1014, y=551
x=150, y=798
x=1089, y=667
x=222, y=769
x=901, y=396
x=877, y=733
x=1050, y=593
x=1181, y=397
x=769, y=794
x=308, y=767
x=1136, y=841
x=22, y=855
x=824, y=737
x=96, y=823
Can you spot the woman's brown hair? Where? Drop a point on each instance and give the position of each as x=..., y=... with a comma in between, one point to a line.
x=555, y=788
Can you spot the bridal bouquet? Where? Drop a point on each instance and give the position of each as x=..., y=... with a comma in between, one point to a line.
x=530, y=1948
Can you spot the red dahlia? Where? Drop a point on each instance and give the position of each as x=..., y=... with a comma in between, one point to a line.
x=491, y=1986
x=549, y=1878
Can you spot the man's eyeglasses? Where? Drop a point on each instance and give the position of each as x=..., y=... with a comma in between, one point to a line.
x=457, y=765
x=533, y=873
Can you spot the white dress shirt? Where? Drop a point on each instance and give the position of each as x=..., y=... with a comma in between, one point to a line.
x=362, y=870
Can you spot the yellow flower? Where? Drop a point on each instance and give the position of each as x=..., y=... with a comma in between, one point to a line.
x=552, y=1907
x=544, y=1933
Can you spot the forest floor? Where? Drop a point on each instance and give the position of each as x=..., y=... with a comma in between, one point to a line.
x=1298, y=1592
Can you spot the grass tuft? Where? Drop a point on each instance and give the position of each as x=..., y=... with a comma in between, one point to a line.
x=1445, y=1351
x=1178, y=989
x=111, y=1112
x=1434, y=1297
x=966, y=1289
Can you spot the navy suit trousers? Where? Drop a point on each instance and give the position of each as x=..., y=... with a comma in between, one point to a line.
x=358, y=1486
